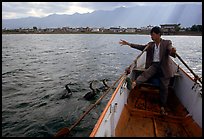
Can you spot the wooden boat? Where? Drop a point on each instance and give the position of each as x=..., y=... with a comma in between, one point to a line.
x=136, y=113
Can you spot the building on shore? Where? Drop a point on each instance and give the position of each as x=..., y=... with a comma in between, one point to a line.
x=169, y=29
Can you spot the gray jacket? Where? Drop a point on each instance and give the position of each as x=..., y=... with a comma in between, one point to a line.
x=165, y=53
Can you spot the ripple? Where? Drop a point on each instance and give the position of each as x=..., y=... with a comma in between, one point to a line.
x=41, y=104
x=48, y=51
x=47, y=79
x=15, y=93
x=8, y=112
x=10, y=90
x=29, y=76
x=13, y=71
x=46, y=96
x=22, y=105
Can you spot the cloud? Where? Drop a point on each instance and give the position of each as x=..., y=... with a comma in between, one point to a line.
x=11, y=10
x=38, y=9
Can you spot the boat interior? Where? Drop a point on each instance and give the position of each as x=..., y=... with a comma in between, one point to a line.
x=141, y=116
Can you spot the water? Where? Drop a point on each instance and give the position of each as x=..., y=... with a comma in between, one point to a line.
x=36, y=67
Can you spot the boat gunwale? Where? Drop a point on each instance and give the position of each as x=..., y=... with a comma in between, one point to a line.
x=97, y=125
x=180, y=68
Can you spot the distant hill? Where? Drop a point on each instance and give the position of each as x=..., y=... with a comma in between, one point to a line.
x=138, y=16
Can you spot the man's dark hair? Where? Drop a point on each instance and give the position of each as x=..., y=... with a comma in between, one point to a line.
x=156, y=30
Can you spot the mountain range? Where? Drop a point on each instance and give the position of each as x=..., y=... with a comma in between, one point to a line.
x=137, y=16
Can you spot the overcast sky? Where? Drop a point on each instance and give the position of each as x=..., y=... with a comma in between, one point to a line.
x=11, y=10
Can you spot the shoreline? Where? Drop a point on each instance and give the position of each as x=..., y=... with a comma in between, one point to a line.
x=176, y=34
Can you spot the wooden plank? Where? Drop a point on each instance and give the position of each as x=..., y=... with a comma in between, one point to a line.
x=169, y=129
x=145, y=120
x=121, y=126
x=155, y=128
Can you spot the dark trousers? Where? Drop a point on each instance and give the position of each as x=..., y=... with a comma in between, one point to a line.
x=154, y=69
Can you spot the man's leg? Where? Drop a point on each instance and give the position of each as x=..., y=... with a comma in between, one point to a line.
x=164, y=82
x=146, y=74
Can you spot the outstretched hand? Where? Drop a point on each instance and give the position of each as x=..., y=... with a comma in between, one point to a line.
x=123, y=42
x=173, y=52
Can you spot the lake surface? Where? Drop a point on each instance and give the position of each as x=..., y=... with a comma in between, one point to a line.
x=36, y=67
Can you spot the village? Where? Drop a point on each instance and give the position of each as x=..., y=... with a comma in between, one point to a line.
x=168, y=29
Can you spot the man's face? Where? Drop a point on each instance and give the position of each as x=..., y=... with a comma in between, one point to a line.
x=155, y=36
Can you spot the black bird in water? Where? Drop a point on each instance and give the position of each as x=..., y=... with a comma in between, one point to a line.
x=105, y=87
x=92, y=94
x=68, y=90
x=105, y=83
x=68, y=93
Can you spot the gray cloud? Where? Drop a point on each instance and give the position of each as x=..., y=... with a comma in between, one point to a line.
x=25, y=9
x=41, y=9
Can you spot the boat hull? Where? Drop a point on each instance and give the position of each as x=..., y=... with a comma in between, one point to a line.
x=119, y=110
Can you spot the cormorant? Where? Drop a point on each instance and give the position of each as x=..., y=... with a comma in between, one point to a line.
x=91, y=95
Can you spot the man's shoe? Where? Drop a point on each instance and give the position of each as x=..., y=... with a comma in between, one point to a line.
x=163, y=112
x=133, y=84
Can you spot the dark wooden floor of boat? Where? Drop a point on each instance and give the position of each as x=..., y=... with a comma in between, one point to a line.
x=141, y=116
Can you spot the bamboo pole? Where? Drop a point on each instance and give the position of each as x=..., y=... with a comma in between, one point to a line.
x=196, y=76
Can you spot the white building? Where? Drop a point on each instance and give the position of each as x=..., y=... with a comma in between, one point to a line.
x=95, y=30
x=131, y=30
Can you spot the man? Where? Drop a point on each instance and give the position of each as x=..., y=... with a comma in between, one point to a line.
x=157, y=62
